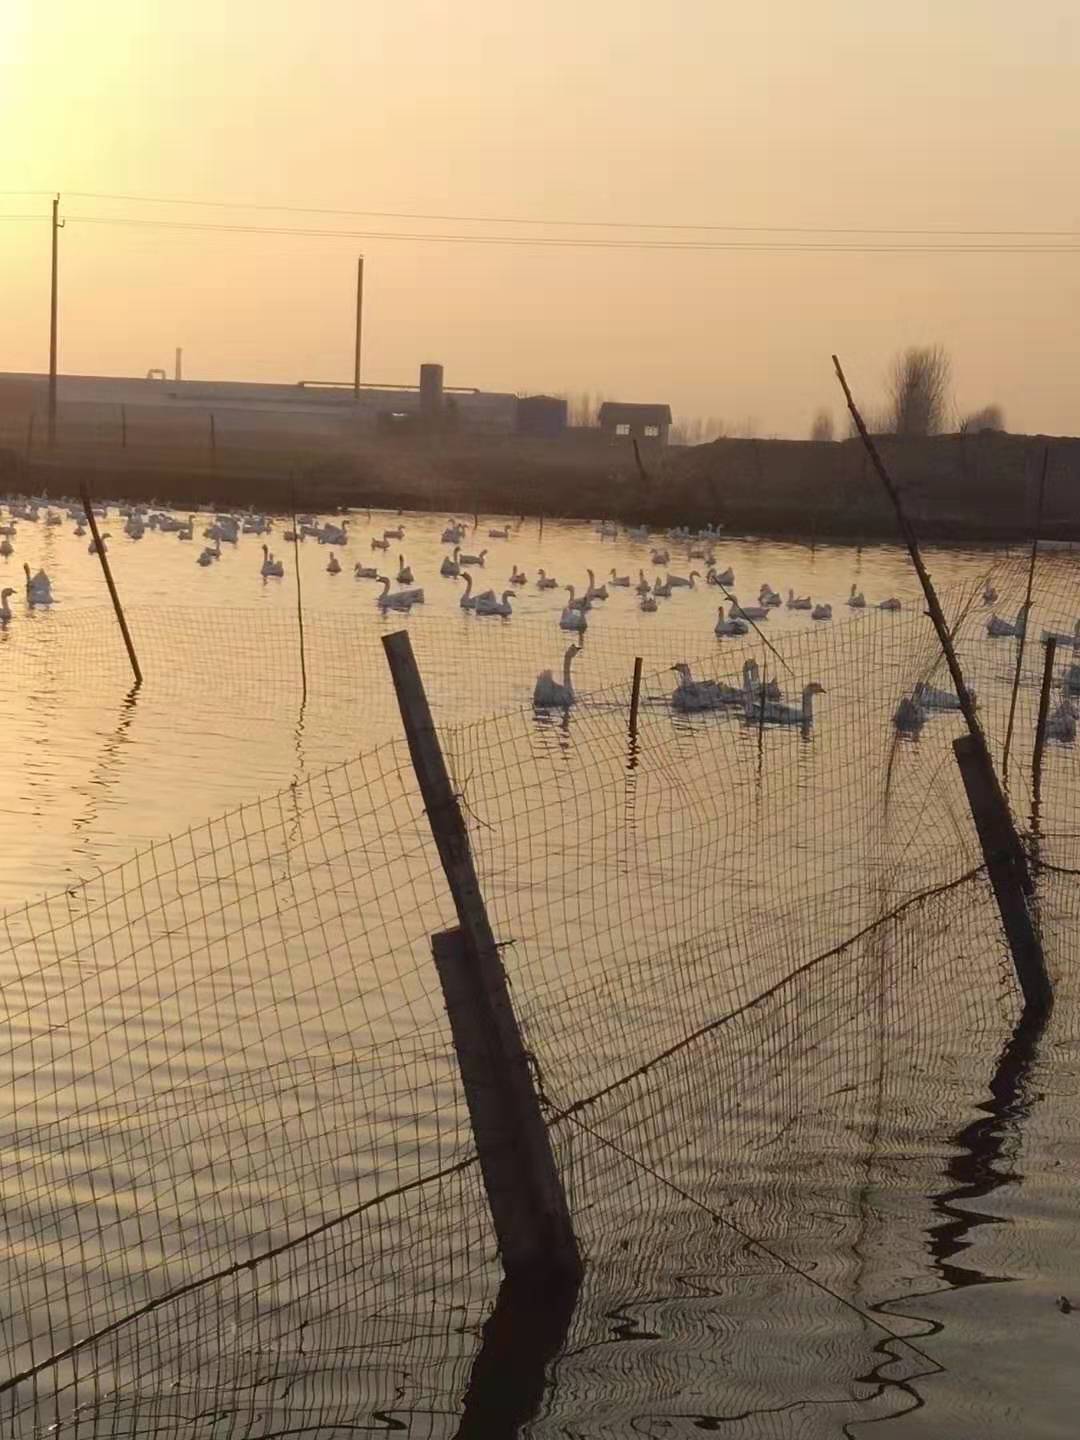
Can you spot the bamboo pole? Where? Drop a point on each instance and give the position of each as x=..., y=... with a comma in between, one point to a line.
x=91, y=520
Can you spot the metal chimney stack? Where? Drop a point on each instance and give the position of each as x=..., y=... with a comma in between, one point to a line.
x=179, y=363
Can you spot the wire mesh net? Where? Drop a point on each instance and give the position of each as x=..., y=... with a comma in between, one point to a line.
x=744, y=933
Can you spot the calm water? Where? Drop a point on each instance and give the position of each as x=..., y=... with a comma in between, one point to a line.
x=849, y=1201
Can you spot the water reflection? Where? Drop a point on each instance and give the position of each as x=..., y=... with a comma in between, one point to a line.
x=987, y=1158
x=525, y=1332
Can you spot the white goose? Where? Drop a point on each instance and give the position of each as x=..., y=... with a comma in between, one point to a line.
x=5, y=608
x=768, y=597
x=772, y=712
x=1062, y=638
x=931, y=698
x=398, y=533
x=910, y=714
x=571, y=618
x=1060, y=723
x=385, y=601
x=485, y=606
x=545, y=581
x=694, y=695
x=503, y=534
x=662, y=588
x=581, y=603
x=892, y=603
x=856, y=599
x=643, y=587
x=996, y=627
x=38, y=588
x=404, y=574
x=271, y=569
x=365, y=572
x=468, y=600
x=659, y=557
x=989, y=594
x=472, y=559
x=548, y=691
x=380, y=544
x=748, y=612
x=799, y=602
x=517, y=577
x=729, y=627
x=821, y=612
x=595, y=592
x=620, y=580
x=333, y=566
x=752, y=686
x=6, y=547
x=92, y=548
x=722, y=577
x=676, y=582
x=450, y=566
x=648, y=605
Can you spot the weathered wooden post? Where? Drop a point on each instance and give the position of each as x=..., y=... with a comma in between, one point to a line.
x=525, y=1192
x=99, y=546
x=635, y=697
x=1010, y=879
x=1040, y=729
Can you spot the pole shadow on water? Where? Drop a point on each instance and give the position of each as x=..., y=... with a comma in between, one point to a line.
x=987, y=1157
x=522, y=1337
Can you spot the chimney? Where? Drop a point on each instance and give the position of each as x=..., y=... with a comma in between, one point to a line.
x=179, y=363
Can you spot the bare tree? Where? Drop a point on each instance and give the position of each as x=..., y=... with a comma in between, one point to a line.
x=822, y=428
x=919, y=391
x=990, y=417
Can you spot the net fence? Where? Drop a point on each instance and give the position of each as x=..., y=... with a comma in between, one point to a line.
x=240, y=1189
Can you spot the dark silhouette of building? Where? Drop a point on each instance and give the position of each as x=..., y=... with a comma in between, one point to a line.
x=543, y=416
x=647, y=423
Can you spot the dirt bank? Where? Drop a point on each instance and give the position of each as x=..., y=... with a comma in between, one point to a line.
x=957, y=487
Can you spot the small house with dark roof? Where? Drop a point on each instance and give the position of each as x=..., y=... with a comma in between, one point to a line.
x=647, y=423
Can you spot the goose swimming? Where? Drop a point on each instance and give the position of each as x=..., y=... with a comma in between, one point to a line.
x=548, y=691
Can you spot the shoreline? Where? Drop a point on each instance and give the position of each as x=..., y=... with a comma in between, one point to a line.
x=972, y=490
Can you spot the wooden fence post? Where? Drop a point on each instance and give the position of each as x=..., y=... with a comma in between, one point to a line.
x=99, y=546
x=1040, y=730
x=997, y=836
x=525, y=1193
x=635, y=697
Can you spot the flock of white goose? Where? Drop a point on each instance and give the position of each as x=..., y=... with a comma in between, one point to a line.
x=762, y=704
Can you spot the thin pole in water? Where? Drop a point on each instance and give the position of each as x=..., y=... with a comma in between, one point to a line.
x=100, y=548
x=635, y=697
x=299, y=604
x=1040, y=731
x=1023, y=632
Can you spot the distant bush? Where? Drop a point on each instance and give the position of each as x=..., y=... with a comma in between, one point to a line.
x=919, y=391
x=990, y=417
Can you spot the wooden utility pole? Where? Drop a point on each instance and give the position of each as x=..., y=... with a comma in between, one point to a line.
x=57, y=226
x=359, y=325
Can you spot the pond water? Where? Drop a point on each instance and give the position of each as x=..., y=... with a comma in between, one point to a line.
x=820, y=1179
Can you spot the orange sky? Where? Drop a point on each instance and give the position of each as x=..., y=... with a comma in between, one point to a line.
x=843, y=113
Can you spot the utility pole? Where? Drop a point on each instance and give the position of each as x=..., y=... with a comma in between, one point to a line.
x=359, y=325
x=57, y=225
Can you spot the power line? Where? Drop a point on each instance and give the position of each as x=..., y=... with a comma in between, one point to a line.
x=800, y=247
x=587, y=224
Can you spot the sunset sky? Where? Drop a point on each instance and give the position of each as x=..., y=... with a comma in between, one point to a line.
x=842, y=115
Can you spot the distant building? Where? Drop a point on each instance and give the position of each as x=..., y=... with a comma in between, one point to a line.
x=305, y=410
x=543, y=416
x=651, y=423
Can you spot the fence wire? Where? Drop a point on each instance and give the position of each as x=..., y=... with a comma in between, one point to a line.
x=239, y=1186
